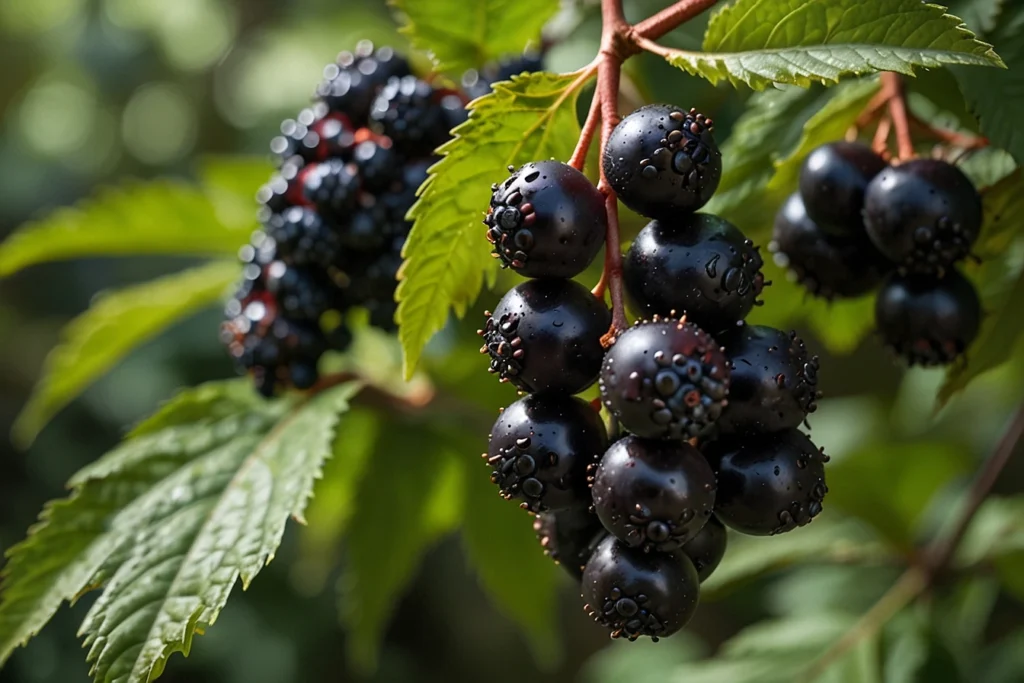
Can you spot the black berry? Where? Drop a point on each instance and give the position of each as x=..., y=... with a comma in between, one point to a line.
x=540, y=448
x=923, y=214
x=546, y=220
x=278, y=352
x=926, y=319
x=301, y=293
x=633, y=593
x=569, y=537
x=697, y=264
x=351, y=84
x=301, y=237
x=707, y=548
x=316, y=134
x=409, y=112
x=545, y=335
x=655, y=495
x=662, y=160
x=768, y=484
x=773, y=381
x=332, y=187
x=665, y=379
x=833, y=179
x=379, y=164
x=284, y=189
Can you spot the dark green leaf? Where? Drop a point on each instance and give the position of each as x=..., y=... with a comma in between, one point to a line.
x=979, y=15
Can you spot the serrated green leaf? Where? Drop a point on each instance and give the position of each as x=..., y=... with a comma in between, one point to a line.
x=447, y=257
x=460, y=37
x=764, y=42
x=159, y=217
x=117, y=322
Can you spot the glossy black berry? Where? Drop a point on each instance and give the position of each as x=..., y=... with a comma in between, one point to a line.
x=284, y=189
x=707, y=548
x=633, y=593
x=276, y=351
x=662, y=160
x=546, y=220
x=379, y=165
x=332, y=187
x=923, y=214
x=654, y=495
x=665, y=379
x=697, y=264
x=826, y=265
x=569, y=537
x=316, y=134
x=833, y=179
x=301, y=237
x=773, y=381
x=768, y=484
x=351, y=84
x=545, y=335
x=409, y=111
x=478, y=82
x=926, y=319
x=301, y=293
x=540, y=448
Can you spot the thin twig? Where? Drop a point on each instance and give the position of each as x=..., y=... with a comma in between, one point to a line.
x=880, y=143
x=676, y=15
x=872, y=109
x=950, y=137
x=579, y=155
x=893, y=82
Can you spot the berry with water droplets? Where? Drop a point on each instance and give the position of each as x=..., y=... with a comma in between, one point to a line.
x=665, y=379
x=655, y=495
x=633, y=593
x=699, y=265
x=768, y=484
x=569, y=537
x=707, y=548
x=547, y=220
x=540, y=448
x=773, y=381
x=545, y=335
x=833, y=180
x=351, y=84
x=928, y=320
x=662, y=160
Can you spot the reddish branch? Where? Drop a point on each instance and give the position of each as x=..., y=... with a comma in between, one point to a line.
x=893, y=83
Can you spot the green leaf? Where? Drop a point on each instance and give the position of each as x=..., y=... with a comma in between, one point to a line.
x=460, y=37
x=763, y=42
x=447, y=257
x=159, y=217
x=643, y=661
x=168, y=522
x=232, y=182
x=117, y=322
x=979, y=15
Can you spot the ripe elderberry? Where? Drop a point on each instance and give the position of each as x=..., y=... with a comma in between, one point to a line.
x=697, y=264
x=545, y=335
x=301, y=237
x=350, y=85
x=707, y=548
x=833, y=179
x=768, y=484
x=923, y=214
x=633, y=593
x=540, y=447
x=773, y=381
x=569, y=537
x=665, y=379
x=412, y=113
x=547, y=220
x=655, y=495
x=332, y=187
x=316, y=134
x=662, y=160
x=276, y=351
x=301, y=293
x=926, y=319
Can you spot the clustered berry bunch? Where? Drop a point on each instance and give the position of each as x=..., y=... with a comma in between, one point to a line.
x=639, y=518
x=858, y=222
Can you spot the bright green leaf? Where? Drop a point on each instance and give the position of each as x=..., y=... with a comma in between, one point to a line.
x=461, y=37
x=447, y=257
x=160, y=217
x=116, y=323
x=763, y=42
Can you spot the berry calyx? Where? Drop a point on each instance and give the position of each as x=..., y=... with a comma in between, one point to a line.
x=924, y=214
x=540, y=448
x=547, y=220
x=928, y=320
x=768, y=484
x=665, y=379
x=833, y=180
x=699, y=265
x=633, y=593
x=654, y=495
x=773, y=381
x=545, y=335
x=569, y=537
x=662, y=160
x=707, y=548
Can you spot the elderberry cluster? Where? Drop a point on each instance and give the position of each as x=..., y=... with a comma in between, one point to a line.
x=858, y=223
x=710, y=405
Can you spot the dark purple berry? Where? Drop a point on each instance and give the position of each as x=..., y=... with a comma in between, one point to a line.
x=547, y=220
x=351, y=84
x=827, y=266
x=300, y=237
x=540, y=448
x=924, y=214
x=665, y=379
x=697, y=264
x=410, y=112
x=926, y=319
x=654, y=495
x=332, y=187
x=768, y=484
x=545, y=335
x=662, y=160
x=277, y=352
x=707, y=548
x=379, y=165
x=633, y=593
x=476, y=83
x=316, y=134
x=284, y=189
x=773, y=381
x=569, y=537
x=301, y=293
x=833, y=179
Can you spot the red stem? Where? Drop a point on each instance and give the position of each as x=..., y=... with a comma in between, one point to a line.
x=579, y=155
x=893, y=82
x=656, y=26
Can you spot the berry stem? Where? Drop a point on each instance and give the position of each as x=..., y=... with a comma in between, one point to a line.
x=949, y=137
x=579, y=155
x=880, y=143
x=671, y=17
x=893, y=83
